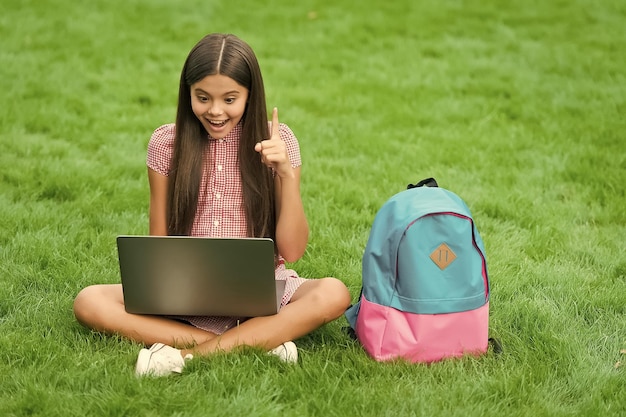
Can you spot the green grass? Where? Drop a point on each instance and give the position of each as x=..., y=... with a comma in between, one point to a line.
x=518, y=107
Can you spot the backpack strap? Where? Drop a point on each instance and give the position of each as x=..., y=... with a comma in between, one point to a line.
x=350, y=332
x=495, y=345
x=428, y=182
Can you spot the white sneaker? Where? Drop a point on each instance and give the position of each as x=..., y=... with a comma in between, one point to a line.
x=287, y=352
x=160, y=360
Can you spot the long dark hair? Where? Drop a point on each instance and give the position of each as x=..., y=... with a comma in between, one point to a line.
x=230, y=56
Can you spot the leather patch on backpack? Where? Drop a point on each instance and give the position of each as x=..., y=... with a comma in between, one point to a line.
x=443, y=256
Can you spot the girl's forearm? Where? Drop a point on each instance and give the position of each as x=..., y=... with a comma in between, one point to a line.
x=292, y=229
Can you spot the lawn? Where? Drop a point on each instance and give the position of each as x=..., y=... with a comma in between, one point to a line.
x=518, y=107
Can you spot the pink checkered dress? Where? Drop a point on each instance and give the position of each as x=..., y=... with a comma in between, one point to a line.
x=220, y=202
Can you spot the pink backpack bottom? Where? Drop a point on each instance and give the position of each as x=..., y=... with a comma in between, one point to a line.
x=387, y=333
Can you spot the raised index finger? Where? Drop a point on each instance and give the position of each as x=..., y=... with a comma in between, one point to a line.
x=275, y=123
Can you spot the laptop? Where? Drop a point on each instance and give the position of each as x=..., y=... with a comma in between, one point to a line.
x=197, y=276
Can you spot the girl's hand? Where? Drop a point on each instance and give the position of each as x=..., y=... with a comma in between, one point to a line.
x=274, y=151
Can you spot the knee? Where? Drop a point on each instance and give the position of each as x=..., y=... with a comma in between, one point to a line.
x=335, y=296
x=86, y=305
x=82, y=304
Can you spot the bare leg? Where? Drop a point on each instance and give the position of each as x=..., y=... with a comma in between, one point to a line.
x=101, y=308
x=315, y=303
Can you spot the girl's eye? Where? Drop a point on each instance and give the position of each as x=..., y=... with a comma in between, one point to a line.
x=229, y=100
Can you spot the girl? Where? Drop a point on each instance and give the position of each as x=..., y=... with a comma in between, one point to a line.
x=220, y=171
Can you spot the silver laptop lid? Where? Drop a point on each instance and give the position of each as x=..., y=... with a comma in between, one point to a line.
x=181, y=275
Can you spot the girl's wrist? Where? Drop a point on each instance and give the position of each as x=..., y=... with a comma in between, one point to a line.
x=287, y=174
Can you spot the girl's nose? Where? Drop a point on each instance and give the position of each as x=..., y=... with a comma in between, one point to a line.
x=214, y=109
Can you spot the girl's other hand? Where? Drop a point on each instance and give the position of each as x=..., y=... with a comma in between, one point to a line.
x=274, y=151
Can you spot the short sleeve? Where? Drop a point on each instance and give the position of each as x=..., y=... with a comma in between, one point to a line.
x=161, y=149
x=293, y=147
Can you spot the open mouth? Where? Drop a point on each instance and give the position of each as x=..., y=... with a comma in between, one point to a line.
x=218, y=123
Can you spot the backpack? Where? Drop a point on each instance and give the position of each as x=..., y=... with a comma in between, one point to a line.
x=425, y=293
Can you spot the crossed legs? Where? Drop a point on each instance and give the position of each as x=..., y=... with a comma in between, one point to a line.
x=315, y=302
